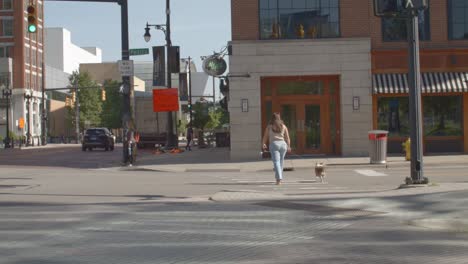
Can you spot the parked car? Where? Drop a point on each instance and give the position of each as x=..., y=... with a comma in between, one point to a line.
x=98, y=138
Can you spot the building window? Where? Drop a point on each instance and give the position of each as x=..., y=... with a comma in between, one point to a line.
x=33, y=58
x=395, y=29
x=27, y=55
x=458, y=19
x=297, y=19
x=393, y=115
x=6, y=51
x=7, y=27
x=7, y=5
x=443, y=115
x=28, y=81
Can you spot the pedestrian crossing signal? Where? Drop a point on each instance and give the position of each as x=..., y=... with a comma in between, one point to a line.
x=32, y=18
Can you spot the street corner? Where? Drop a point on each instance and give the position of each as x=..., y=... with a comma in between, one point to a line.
x=454, y=224
x=244, y=195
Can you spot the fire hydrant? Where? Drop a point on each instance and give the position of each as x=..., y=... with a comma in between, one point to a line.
x=407, y=148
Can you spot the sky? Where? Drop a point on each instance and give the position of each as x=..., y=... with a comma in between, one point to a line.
x=199, y=27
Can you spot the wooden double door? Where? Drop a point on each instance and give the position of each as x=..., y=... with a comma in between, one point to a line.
x=310, y=109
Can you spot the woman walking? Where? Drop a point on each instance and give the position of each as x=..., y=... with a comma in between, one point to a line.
x=276, y=133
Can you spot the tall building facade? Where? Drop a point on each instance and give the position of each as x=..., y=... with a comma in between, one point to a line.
x=23, y=67
x=334, y=72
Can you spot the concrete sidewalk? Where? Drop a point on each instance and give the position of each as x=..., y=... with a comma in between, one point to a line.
x=217, y=159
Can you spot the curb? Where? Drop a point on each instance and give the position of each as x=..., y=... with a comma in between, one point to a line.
x=212, y=167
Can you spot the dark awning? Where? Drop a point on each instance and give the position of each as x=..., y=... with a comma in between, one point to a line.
x=432, y=82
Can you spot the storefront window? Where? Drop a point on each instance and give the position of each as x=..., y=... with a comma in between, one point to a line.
x=443, y=115
x=395, y=29
x=393, y=115
x=296, y=19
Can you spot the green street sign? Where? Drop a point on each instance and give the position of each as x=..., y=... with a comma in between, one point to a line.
x=134, y=52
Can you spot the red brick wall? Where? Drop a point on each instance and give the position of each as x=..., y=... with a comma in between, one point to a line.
x=245, y=21
x=354, y=18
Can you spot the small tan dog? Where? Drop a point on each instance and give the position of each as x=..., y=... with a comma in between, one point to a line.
x=320, y=171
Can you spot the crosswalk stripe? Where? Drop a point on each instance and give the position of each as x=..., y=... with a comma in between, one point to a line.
x=371, y=173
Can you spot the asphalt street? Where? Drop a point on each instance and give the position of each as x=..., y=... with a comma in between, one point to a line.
x=80, y=207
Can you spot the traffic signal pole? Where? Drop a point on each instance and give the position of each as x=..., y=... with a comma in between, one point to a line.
x=414, y=73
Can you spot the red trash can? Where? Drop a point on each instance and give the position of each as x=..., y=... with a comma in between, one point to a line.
x=378, y=146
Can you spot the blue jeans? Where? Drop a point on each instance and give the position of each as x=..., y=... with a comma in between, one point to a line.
x=278, y=150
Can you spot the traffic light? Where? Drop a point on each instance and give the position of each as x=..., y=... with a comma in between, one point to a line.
x=67, y=101
x=32, y=18
x=103, y=95
x=73, y=99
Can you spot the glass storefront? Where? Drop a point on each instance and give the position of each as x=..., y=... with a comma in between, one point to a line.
x=442, y=118
x=310, y=108
x=393, y=116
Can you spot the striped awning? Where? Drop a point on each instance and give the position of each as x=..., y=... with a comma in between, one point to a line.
x=432, y=82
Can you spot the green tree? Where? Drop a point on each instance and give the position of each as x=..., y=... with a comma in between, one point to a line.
x=182, y=126
x=215, y=115
x=200, y=120
x=89, y=97
x=112, y=107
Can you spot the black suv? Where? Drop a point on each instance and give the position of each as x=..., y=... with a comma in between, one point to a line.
x=97, y=138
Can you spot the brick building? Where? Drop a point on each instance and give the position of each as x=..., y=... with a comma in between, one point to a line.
x=335, y=71
x=22, y=56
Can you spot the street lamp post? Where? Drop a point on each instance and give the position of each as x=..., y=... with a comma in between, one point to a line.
x=44, y=110
x=28, y=98
x=171, y=138
x=189, y=61
x=7, y=94
x=77, y=115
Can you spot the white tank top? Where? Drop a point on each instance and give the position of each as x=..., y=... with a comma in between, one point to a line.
x=273, y=136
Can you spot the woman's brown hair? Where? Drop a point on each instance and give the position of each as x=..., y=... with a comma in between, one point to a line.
x=276, y=123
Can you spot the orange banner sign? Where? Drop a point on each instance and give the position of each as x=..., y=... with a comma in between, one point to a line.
x=165, y=100
x=21, y=123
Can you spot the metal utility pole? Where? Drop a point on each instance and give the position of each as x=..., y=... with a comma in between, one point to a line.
x=214, y=91
x=126, y=114
x=77, y=114
x=44, y=112
x=28, y=98
x=190, y=88
x=171, y=137
x=414, y=73
x=7, y=92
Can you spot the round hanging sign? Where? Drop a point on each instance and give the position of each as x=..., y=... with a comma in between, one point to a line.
x=214, y=66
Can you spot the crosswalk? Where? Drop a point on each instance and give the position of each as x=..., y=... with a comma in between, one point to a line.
x=154, y=233
x=371, y=173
